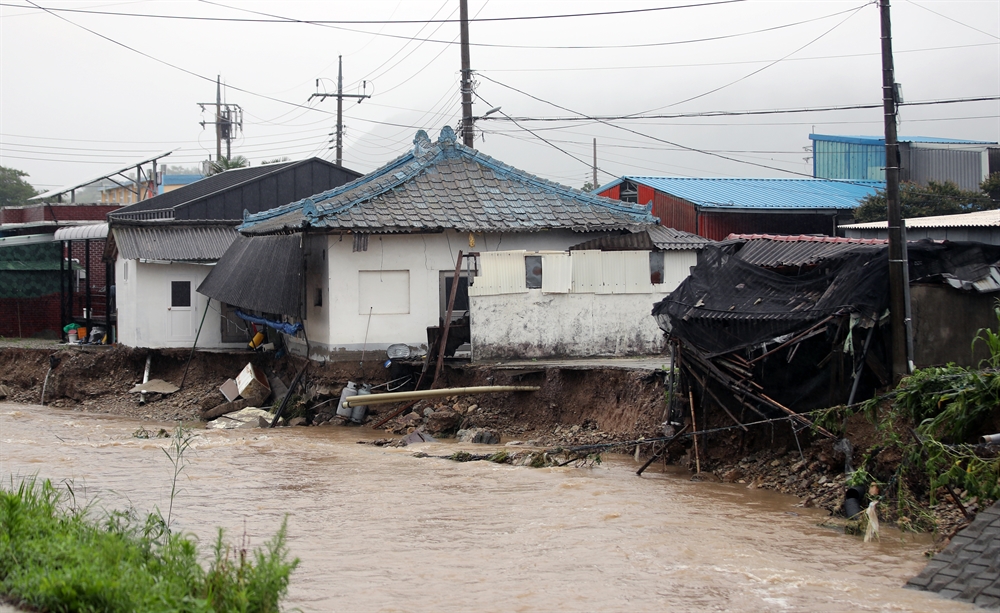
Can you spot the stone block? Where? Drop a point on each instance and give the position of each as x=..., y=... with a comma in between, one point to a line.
x=973, y=589
x=987, y=602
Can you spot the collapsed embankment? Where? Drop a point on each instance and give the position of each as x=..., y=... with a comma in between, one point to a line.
x=603, y=409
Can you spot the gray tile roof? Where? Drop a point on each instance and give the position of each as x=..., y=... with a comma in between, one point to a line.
x=173, y=241
x=651, y=238
x=445, y=185
x=969, y=567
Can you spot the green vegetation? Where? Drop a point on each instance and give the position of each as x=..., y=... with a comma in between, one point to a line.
x=14, y=190
x=931, y=422
x=58, y=556
x=223, y=164
x=936, y=199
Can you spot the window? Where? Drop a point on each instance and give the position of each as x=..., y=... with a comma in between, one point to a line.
x=656, y=267
x=461, y=307
x=629, y=192
x=180, y=293
x=533, y=271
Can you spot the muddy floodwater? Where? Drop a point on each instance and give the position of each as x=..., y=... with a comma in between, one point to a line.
x=380, y=530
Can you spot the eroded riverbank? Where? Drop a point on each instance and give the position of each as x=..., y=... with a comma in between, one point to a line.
x=380, y=530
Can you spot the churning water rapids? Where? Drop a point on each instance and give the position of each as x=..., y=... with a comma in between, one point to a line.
x=380, y=530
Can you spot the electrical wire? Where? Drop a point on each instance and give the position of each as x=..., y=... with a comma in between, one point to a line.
x=280, y=19
x=953, y=20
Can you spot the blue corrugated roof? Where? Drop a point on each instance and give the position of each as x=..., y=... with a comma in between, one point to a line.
x=879, y=140
x=761, y=193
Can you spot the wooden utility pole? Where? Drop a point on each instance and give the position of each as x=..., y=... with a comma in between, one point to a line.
x=468, y=136
x=897, y=248
x=340, y=95
x=595, y=164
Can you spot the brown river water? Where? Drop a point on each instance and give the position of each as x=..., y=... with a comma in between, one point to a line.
x=380, y=530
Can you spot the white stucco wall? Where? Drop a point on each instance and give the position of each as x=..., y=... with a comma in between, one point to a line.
x=537, y=325
x=145, y=315
x=354, y=285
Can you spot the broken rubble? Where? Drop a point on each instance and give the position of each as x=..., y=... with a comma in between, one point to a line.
x=480, y=436
x=251, y=417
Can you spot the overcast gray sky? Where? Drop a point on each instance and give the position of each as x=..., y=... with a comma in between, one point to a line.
x=76, y=103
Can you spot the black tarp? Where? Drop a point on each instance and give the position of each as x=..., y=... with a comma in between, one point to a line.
x=261, y=273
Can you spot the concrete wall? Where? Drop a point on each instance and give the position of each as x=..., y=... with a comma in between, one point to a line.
x=145, y=315
x=397, y=279
x=945, y=320
x=536, y=325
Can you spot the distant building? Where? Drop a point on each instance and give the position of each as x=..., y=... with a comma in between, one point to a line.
x=862, y=158
x=979, y=227
x=716, y=208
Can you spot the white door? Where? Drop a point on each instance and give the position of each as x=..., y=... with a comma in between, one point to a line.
x=181, y=311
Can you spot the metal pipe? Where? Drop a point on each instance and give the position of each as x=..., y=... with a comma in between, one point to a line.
x=440, y=393
x=145, y=377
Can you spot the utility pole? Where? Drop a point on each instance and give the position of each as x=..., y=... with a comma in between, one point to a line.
x=340, y=95
x=595, y=164
x=227, y=117
x=897, y=247
x=468, y=136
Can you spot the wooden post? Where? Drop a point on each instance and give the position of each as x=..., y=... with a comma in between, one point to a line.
x=694, y=432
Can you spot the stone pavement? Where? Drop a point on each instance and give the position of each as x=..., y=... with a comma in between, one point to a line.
x=969, y=567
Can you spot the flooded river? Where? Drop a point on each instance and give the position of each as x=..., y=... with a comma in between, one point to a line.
x=380, y=530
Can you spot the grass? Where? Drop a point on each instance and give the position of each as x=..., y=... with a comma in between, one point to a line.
x=57, y=556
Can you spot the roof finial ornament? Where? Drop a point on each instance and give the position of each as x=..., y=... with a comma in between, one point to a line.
x=447, y=136
x=421, y=143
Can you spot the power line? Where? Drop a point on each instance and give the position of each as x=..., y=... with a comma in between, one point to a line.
x=279, y=19
x=953, y=20
x=733, y=63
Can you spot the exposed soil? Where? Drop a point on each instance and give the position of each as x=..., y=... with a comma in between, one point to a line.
x=574, y=408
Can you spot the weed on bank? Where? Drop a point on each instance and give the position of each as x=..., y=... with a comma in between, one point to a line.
x=54, y=556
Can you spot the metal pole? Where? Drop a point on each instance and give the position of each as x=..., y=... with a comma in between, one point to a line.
x=218, y=117
x=86, y=268
x=62, y=286
x=897, y=254
x=468, y=136
x=340, y=110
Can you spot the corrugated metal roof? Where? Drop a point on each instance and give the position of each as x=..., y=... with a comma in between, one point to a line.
x=653, y=237
x=879, y=140
x=82, y=233
x=771, y=194
x=978, y=219
x=777, y=251
x=447, y=185
x=174, y=243
x=237, y=280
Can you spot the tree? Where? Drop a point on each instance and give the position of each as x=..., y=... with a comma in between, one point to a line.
x=223, y=164
x=991, y=187
x=14, y=190
x=918, y=201
x=280, y=160
x=589, y=187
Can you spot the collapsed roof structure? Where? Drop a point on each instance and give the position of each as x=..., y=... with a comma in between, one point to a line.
x=784, y=325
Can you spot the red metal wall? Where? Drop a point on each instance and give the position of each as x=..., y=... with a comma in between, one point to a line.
x=612, y=192
x=645, y=194
x=674, y=212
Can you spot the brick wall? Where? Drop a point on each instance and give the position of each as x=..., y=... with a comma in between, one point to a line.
x=57, y=212
x=27, y=317
x=96, y=279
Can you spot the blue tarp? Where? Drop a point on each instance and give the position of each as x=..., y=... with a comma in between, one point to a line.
x=280, y=326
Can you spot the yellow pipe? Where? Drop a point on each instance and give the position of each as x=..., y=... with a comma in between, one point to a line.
x=367, y=399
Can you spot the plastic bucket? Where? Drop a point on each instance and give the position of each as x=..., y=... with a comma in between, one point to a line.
x=72, y=336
